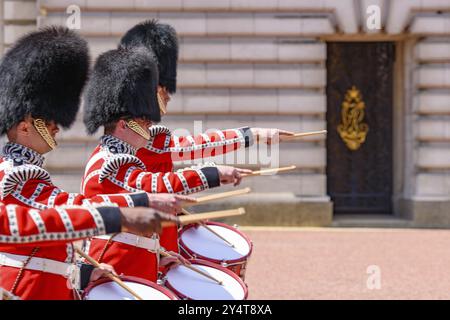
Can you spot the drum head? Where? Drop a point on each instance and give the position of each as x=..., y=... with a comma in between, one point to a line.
x=191, y=285
x=106, y=289
x=203, y=243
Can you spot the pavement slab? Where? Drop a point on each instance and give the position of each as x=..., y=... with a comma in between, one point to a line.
x=348, y=263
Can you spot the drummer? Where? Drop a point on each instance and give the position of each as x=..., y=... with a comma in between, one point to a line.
x=121, y=96
x=43, y=75
x=28, y=228
x=163, y=147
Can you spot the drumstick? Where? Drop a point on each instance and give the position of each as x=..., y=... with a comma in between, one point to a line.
x=109, y=275
x=165, y=254
x=218, y=196
x=194, y=218
x=197, y=217
x=301, y=135
x=275, y=170
x=184, y=211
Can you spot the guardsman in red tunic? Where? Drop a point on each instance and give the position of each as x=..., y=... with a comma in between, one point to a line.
x=121, y=96
x=30, y=228
x=164, y=147
x=42, y=76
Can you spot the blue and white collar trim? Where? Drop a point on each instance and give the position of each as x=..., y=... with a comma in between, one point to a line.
x=20, y=155
x=116, y=145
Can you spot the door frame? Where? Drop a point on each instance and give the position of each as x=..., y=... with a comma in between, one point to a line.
x=400, y=121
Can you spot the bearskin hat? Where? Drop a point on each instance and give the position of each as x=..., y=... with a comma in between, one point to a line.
x=43, y=75
x=123, y=83
x=162, y=39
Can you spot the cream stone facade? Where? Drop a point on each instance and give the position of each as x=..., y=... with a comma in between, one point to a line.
x=263, y=63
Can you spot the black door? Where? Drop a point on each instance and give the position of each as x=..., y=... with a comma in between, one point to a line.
x=359, y=123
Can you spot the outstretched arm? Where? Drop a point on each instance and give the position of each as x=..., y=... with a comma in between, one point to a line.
x=22, y=225
x=204, y=145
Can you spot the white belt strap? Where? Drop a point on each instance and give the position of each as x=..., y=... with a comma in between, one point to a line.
x=151, y=244
x=37, y=264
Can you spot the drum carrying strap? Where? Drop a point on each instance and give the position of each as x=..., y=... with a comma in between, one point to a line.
x=69, y=271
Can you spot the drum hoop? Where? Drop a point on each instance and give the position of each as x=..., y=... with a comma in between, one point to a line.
x=145, y=282
x=230, y=262
x=208, y=264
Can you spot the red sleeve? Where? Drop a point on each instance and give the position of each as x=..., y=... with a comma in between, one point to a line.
x=42, y=195
x=185, y=181
x=21, y=225
x=208, y=144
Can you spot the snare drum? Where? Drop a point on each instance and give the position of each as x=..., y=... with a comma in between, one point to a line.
x=197, y=242
x=106, y=289
x=190, y=285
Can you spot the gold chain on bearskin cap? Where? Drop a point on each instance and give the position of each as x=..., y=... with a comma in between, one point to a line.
x=162, y=105
x=40, y=126
x=133, y=125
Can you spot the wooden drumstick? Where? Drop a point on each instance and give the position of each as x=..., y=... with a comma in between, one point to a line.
x=198, y=217
x=184, y=211
x=165, y=254
x=217, y=196
x=274, y=170
x=109, y=275
x=301, y=135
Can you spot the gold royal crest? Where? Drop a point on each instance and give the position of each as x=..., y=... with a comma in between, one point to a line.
x=352, y=129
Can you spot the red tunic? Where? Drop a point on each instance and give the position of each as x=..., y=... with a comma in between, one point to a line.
x=164, y=149
x=23, y=182
x=114, y=168
x=23, y=229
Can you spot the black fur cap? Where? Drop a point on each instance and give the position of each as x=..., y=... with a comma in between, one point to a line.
x=123, y=84
x=43, y=75
x=162, y=40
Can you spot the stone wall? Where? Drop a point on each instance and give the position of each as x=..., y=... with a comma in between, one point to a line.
x=262, y=63
x=428, y=198
x=226, y=78
x=18, y=18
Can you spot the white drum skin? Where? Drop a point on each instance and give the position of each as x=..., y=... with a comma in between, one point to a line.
x=106, y=289
x=189, y=285
x=197, y=242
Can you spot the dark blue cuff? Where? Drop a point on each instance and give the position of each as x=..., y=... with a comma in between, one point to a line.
x=248, y=136
x=140, y=199
x=85, y=274
x=212, y=175
x=112, y=218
